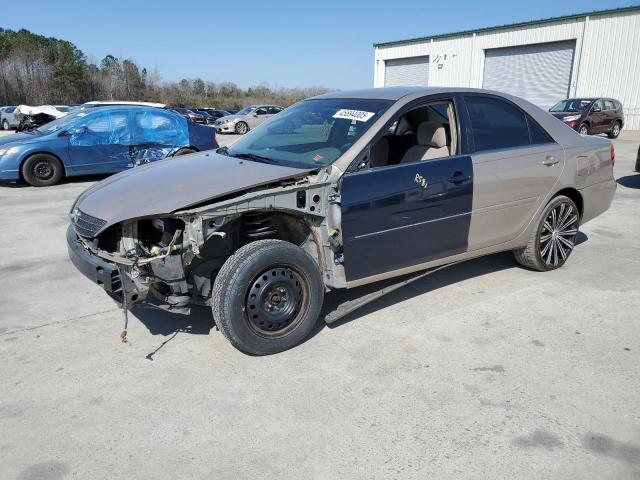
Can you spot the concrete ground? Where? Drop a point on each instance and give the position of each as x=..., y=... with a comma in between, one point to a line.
x=484, y=370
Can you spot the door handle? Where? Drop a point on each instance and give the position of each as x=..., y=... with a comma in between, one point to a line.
x=550, y=160
x=458, y=178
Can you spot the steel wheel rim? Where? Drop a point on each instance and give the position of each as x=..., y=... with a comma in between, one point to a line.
x=558, y=234
x=275, y=300
x=43, y=170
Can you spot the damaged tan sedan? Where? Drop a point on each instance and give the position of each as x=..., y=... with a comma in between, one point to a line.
x=335, y=192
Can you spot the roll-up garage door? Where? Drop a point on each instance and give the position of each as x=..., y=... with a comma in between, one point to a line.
x=406, y=71
x=540, y=73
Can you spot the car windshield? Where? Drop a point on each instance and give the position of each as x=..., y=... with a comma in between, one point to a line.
x=61, y=123
x=573, y=105
x=312, y=133
x=246, y=111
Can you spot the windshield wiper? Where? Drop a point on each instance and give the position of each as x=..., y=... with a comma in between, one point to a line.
x=254, y=157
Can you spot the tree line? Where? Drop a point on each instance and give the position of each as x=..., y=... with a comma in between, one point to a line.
x=38, y=70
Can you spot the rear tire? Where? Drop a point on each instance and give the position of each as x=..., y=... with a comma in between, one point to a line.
x=583, y=129
x=267, y=297
x=553, y=239
x=42, y=170
x=615, y=131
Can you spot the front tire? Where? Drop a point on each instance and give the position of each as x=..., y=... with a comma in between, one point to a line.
x=241, y=128
x=553, y=239
x=583, y=129
x=5, y=125
x=42, y=170
x=615, y=131
x=267, y=297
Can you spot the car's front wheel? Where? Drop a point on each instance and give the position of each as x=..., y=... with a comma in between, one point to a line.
x=583, y=129
x=241, y=128
x=5, y=125
x=42, y=170
x=615, y=130
x=553, y=239
x=267, y=297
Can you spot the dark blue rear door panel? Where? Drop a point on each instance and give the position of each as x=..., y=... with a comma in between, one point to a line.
x=390, y=221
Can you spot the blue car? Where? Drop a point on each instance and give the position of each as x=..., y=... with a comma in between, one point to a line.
x=99, y=141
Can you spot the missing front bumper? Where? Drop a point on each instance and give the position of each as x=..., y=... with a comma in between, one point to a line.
x=95, y=269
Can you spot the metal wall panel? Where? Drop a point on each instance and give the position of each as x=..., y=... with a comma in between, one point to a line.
x=605, y=61
x=540, y=73
x=406, y=71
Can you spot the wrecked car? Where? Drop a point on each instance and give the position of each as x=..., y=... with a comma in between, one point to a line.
x=101, y=140
x=30, y=118
x=370, y=185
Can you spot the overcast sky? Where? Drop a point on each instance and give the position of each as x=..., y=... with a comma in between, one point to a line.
x=283, y=43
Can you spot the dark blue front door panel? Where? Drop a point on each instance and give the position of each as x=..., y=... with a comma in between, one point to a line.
x=390, y=220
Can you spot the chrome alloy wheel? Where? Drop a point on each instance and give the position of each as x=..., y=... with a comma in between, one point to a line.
x=558, y=234
x=616, y=129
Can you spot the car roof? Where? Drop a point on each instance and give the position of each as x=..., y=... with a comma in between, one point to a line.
x=127, y=107
x=396, y=93
x=101, y=103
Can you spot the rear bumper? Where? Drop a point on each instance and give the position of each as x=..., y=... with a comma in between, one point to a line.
x=95, y=269
x=597, y=199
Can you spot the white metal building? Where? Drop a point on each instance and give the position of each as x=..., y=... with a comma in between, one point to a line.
x=585, y=55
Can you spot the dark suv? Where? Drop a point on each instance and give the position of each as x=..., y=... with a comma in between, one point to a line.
x=591, y=115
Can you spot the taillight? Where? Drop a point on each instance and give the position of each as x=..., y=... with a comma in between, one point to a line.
x=613, y=155
x=213, y=135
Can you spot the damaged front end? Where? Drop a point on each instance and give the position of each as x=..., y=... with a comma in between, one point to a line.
x=171, y=261
x=136, y=262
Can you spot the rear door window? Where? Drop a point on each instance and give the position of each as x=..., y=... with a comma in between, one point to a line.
x=158, y=127
x=496, y=124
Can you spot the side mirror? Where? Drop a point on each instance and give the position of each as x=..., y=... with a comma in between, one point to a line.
x=255, y=114
x=596, y=109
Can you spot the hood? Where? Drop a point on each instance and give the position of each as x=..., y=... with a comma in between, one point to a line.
x=561, y=115
x=20, y=138
x=174, y=184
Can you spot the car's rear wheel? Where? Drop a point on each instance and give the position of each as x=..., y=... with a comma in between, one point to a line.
x=583, y=129
x=42, y=170
x=242, y=128
x=267, y=297
x=615, y=130
x=553, y=239
x=5, y=125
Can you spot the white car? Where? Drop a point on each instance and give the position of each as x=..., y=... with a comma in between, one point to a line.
x=246, y=119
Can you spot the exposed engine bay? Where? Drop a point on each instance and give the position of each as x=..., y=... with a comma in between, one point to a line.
x=171, y=261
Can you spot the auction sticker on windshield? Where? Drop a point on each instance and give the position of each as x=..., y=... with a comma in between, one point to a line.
x=357, y=115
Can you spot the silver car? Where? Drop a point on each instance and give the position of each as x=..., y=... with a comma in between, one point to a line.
x=246, y=119
x=8, y=120
x=338, y=191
